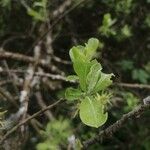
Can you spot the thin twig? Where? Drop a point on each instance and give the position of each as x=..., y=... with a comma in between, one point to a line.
x=24, y=94
x=10, y=98
x=27, y=59
x=61, y=9
x=108, y=132
x=59, y=60
x=132, y=85
x=28, y=119
x=42, y=104
x=3, y=82
x=41, y=74
x=7, y=95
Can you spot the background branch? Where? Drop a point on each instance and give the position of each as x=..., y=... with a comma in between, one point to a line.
x=28, y=119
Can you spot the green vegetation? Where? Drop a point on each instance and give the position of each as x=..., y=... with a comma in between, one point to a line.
x=92, y=80
x=43, y=59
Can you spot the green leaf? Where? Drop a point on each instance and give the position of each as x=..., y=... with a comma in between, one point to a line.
x=92, y=112
x=72, y=78
x=107, y=20
x=73, y=94
x=126, y=64
x=76, y=53
x=38, y=4
x=106, y=29
x=91, y=47
x=81, y=48
x=82, y=68
x=42, y=146
x=103, y=82
x=93, y=76
x=141, y=75
x=78, y=145
x=5, y=3
x=35, y=14
x=126, y=31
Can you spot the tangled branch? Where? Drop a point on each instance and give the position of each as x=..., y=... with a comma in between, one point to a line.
x=28, y=119
x=27, y=59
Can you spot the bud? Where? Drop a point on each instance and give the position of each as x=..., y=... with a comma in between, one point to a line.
x=104, y=98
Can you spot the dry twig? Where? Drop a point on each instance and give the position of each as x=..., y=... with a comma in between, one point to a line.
x=132, y=85
x=27, y=59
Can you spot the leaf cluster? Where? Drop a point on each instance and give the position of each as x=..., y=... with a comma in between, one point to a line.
x=91, y=82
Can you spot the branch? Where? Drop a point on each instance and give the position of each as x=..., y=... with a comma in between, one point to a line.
x=41, y=74
x=6, y=94
x=108, y=132
x=13, y=118
x=27, y=86
x=28, y=119
x=130, y=85
x=61, y=8
x=42, y=104
x=3, y=82
x=27, y=59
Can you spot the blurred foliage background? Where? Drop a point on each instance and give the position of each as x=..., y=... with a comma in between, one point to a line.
x=122, y=26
